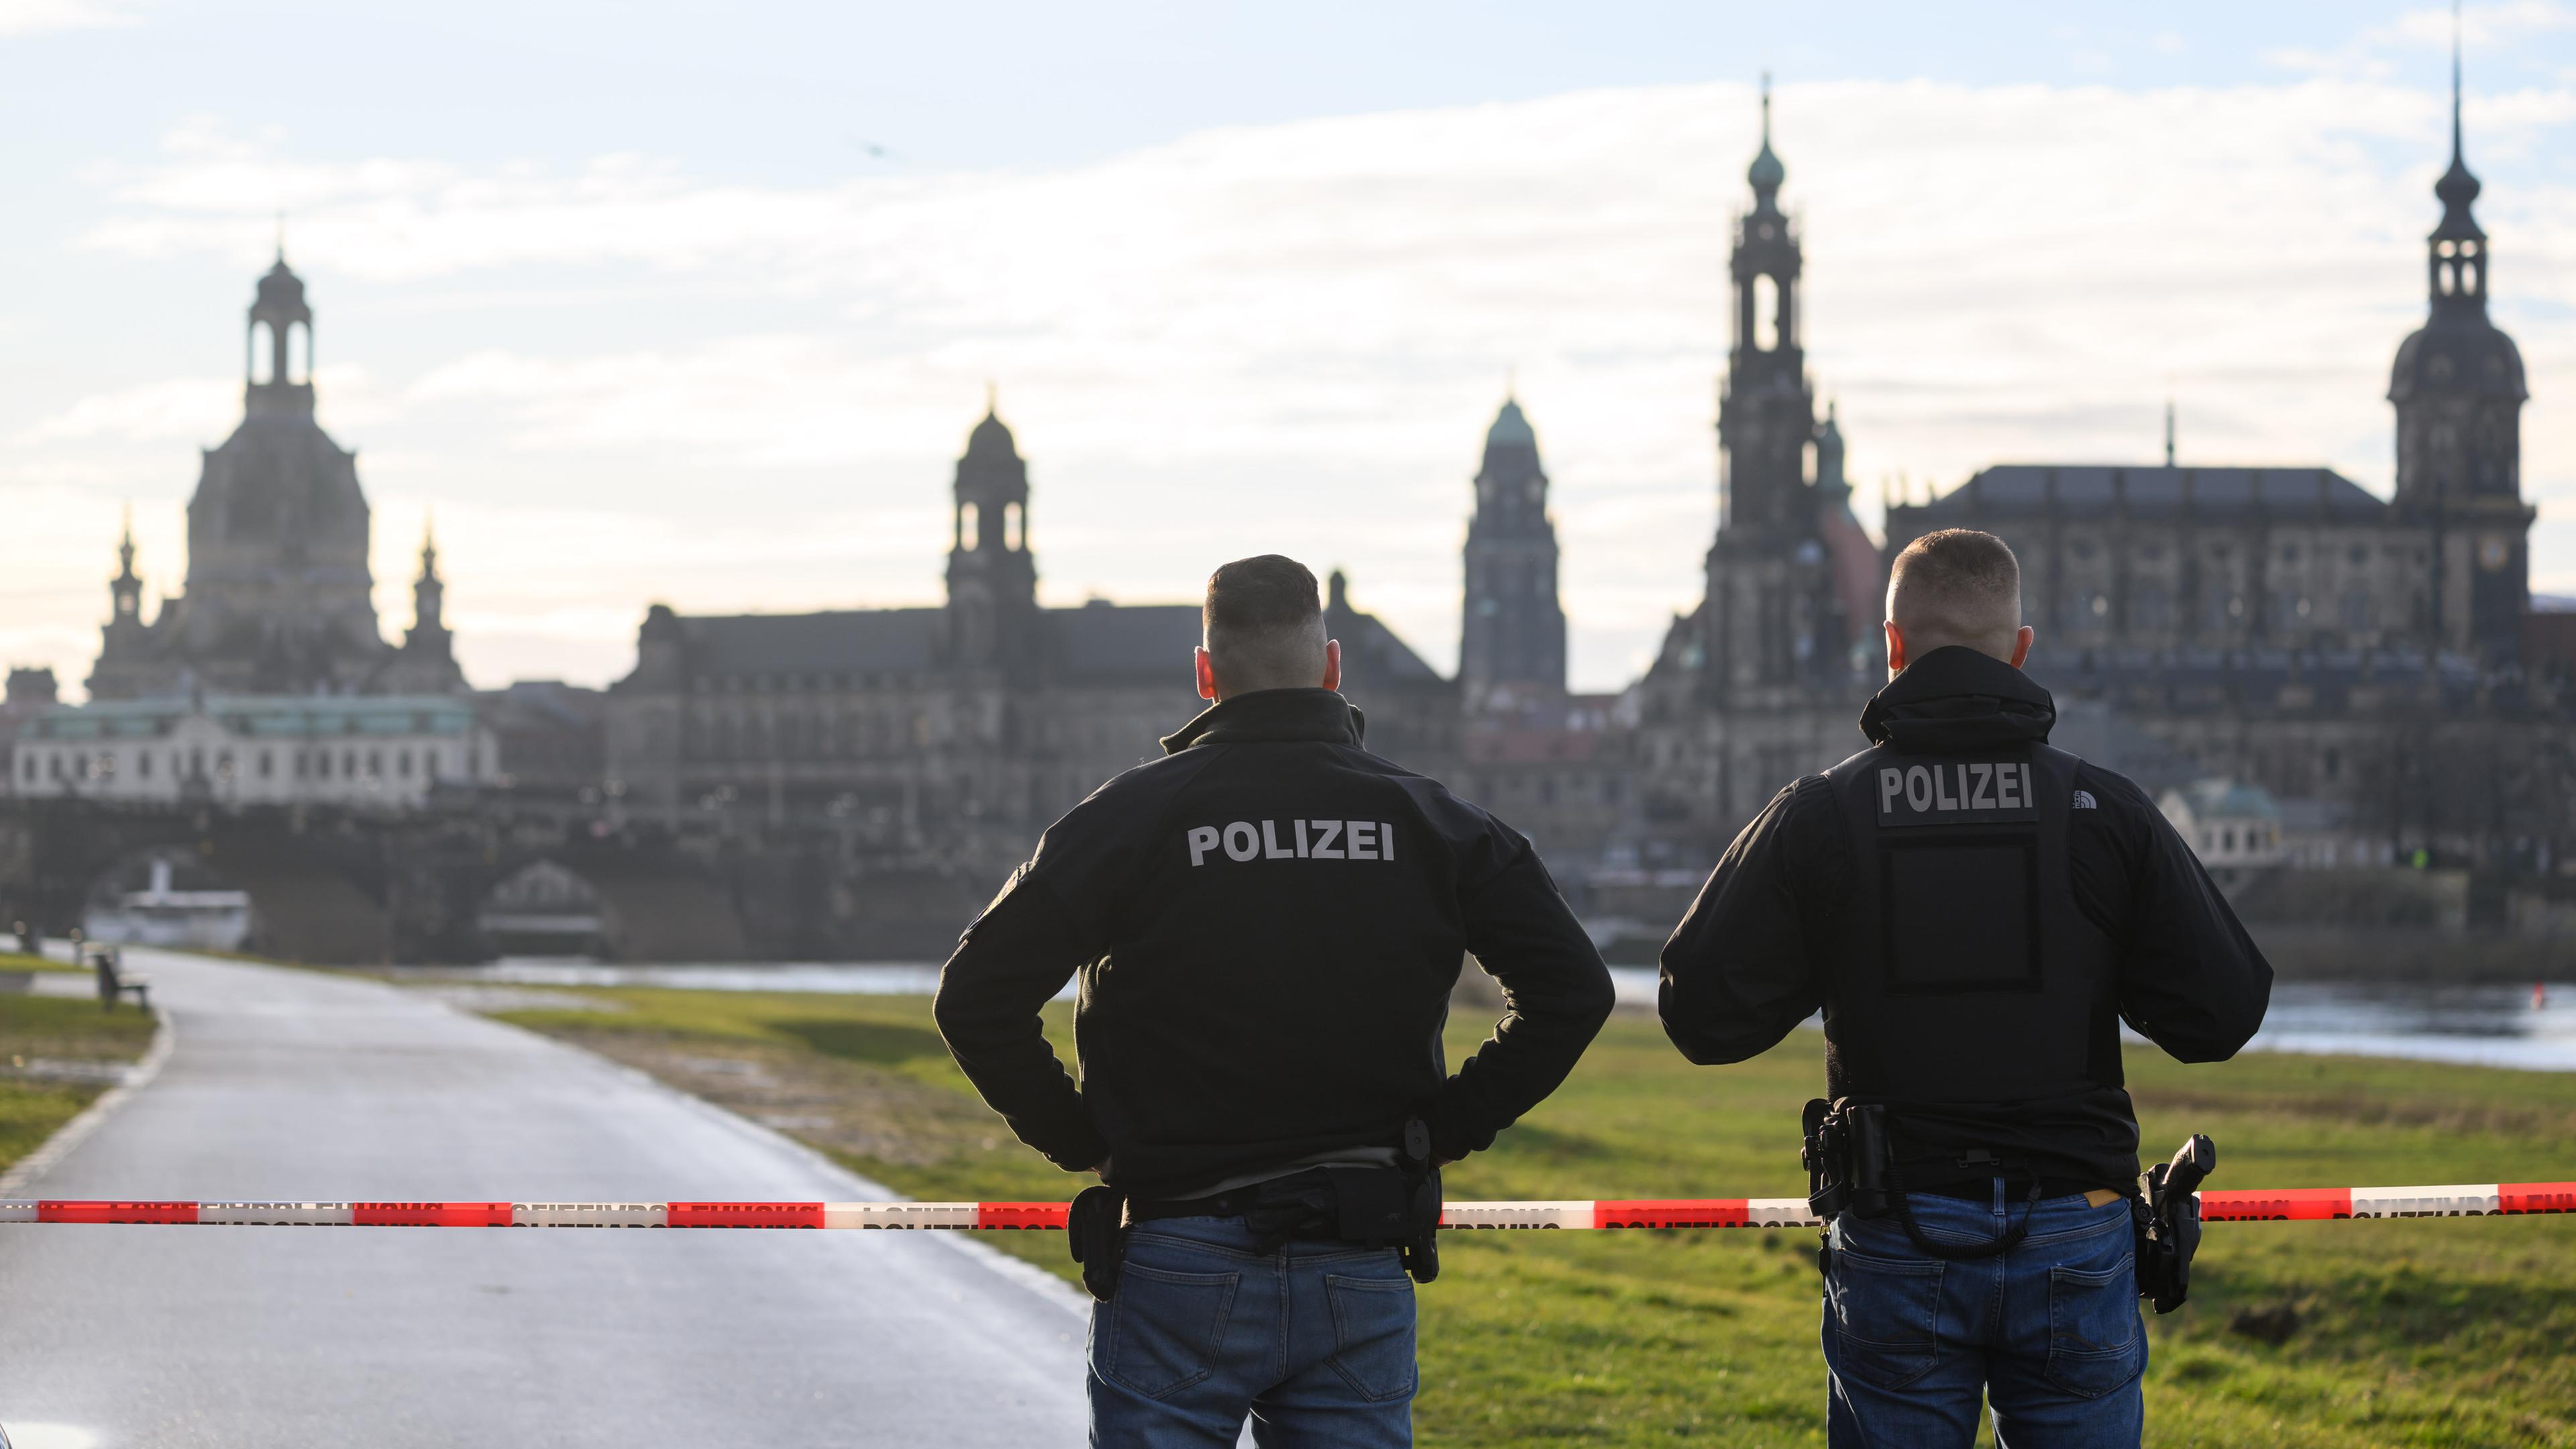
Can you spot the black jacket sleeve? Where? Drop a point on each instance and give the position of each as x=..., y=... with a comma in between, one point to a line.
x=1011, y=962
x=1735, y=977
x=2191, y=980
x=1556, y=994
x=1050, y=921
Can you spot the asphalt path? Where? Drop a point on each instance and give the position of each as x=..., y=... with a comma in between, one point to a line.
x=301, y=1086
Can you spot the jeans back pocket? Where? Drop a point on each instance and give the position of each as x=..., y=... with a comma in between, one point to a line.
x=1163, y=1329
x=1884, y=1315
x=1372, y=1335
x=2095, y=1343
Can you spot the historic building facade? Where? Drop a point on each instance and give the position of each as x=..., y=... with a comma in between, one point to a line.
x=265, y=681
x=2283, y=627
x=942, y=740
x=2360, y=659
x=367, y=752
x=278, y=598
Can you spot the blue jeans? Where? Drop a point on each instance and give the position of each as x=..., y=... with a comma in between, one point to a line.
x=2049, y=1331
x=1314, y=1341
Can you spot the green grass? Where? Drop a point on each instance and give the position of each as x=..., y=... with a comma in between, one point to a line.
x=21, y=961
x=53, y=1029
x=2410, y=1333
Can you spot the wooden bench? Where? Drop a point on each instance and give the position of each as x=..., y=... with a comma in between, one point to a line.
x=113, y=981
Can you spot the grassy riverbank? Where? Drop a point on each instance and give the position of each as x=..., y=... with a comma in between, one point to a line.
x=56, y=1056
x=2326, y=1334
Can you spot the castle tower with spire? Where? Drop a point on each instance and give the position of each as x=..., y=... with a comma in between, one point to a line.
x=1764, y=677
x=1511, y=644
x=1773, y=622
x=2458, y=389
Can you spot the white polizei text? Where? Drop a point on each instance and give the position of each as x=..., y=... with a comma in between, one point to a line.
x=1293, y=840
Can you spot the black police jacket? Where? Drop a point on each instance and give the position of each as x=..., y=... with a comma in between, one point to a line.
x=1975, y=913
x=1267, y=924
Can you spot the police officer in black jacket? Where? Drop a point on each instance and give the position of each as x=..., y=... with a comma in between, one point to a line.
x=1266, y=924
x=1975, y=912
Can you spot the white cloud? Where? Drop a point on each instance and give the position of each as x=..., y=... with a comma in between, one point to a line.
x=1292, y=336
x=192, y=408
x=44, y=17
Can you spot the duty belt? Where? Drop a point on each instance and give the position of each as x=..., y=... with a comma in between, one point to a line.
x=1854, y=1165
x=1380, y=1207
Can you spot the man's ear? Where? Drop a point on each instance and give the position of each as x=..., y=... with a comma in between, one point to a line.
x=2021, y=646
x=1895, y=649
x=1205, y=667
x=1332, y=664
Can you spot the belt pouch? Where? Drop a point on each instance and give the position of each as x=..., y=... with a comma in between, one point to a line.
x=1095, y=1229
x=1374, y=1205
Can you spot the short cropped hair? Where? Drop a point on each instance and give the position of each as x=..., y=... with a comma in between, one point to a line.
x=1264, y=623
x=1956, y=586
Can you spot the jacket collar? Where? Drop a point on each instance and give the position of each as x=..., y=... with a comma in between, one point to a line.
x=1268, y=716
x=1955, y=698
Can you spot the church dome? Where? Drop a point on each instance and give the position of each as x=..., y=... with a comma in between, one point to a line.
x=991, y=439
x=2458, y=357
x=1511, y=428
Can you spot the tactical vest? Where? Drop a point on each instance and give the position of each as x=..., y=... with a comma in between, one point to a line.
x=1967, y=976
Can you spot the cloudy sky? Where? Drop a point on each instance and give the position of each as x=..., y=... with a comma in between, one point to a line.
x=696, y=302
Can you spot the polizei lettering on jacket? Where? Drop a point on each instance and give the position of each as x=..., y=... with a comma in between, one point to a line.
x=1953, y=791
x=1293, y=840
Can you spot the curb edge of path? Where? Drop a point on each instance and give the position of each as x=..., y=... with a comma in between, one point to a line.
x=70, y=1135
x=1025, y=1275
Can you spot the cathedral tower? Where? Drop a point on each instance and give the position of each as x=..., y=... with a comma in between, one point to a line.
x=1511, y=647
x=992, y=576
x=1767, y=415
x=2458, y=389
x=1773, y=621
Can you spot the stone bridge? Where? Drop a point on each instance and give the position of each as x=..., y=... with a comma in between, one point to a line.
x=355, y=886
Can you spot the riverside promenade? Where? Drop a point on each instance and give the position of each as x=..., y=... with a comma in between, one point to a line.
x=295, y=1084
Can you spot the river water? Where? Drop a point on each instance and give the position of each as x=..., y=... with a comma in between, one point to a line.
x=2479, y=1025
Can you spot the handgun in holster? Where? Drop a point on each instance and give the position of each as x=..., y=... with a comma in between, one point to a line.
x=1845, y=1149
x=2165, y=1222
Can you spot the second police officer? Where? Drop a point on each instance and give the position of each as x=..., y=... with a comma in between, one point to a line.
x=1266, y=925
x=1975, y=912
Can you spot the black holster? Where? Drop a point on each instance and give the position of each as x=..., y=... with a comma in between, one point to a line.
x=2165, y=1219
x=1853, y=1167
x=1095, y=1227
x=1847, y=1158
x=1398, y=1207
x=1421, y=1240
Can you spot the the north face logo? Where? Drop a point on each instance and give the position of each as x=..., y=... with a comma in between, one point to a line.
x=2084, y=800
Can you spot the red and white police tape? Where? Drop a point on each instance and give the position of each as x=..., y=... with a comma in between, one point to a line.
x=2295, y=1204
